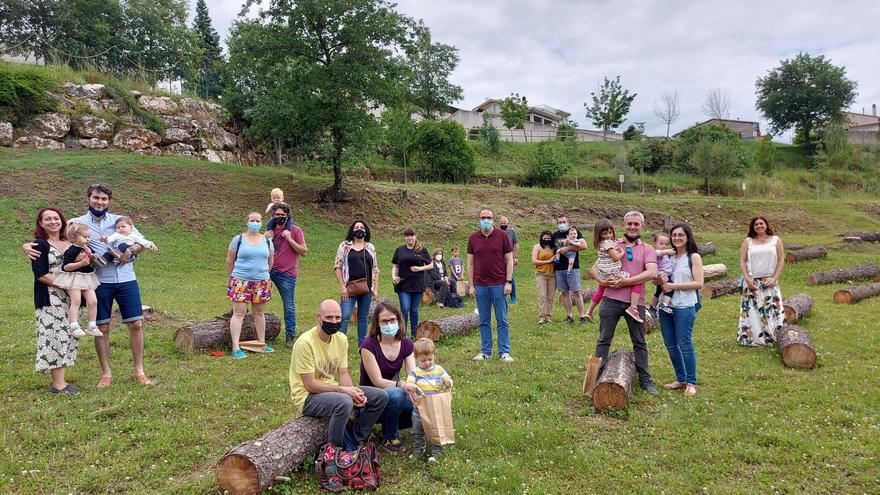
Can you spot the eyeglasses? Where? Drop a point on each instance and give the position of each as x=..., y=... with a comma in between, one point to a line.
x=629, y=253
x=388, y=321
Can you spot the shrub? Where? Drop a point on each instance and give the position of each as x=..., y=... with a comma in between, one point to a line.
x=445, y=154
x=652, y=155
x=24, y=92
x=546, y=166
x=635, y=132
x=765, y=156
x=125, y=98
x=489, y=133
x=689, y=139
x=715, y=160
x=835, y=152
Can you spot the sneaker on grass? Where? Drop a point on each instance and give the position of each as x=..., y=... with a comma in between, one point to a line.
x=481, y=357
x=239, y=354
x=507, y=358
x=393, y=445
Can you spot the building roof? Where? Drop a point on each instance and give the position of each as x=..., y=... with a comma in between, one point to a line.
x=757, y=125
x=859, y=119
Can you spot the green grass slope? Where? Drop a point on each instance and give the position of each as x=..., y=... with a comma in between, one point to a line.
x=754, y=427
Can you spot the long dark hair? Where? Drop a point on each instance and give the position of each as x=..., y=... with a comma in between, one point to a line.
x=601, y=226
x=390, y=307
x=40, y=232
x=350, y=235
x=752, y=232
x=548, y=234
x=691, y=245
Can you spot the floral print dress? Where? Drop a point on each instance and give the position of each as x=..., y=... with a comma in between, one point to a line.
x=56, y=347
x=761, y=314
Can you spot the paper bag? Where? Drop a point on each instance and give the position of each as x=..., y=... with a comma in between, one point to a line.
x=592, y=374
x=435, y=411
x=253, y=345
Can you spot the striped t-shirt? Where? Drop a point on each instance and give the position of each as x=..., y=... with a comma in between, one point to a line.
x=429, y=381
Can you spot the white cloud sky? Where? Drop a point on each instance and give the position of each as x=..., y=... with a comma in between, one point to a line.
x=556, y=51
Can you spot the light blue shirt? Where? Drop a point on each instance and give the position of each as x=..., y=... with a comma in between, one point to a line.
x=105, y=226
x=252, y=263
x=681, y=274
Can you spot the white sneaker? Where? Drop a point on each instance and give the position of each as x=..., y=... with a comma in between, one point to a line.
x=507, y=358
x=76, y=331
x=481, y=357
x=95, y=332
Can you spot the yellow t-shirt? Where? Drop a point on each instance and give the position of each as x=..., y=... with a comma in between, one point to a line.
x=312, y=355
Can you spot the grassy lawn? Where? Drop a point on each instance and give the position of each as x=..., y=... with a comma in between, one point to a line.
x=754, y=427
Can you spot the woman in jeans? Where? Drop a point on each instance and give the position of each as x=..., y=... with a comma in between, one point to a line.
x=678, y=327
x=407, y=267
x=356, y=261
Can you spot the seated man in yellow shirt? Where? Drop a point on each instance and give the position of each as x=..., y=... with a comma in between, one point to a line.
x=321, y=386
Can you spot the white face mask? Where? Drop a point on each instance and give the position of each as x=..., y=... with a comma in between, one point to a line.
x=439, y=257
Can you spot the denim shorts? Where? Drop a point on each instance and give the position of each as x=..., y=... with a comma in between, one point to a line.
x=128, y=298
x=568, y=282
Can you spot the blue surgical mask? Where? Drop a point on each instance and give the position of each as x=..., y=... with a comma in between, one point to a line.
x=563, y=226
x=485, y=224
x=254, y=226
x=389, y=330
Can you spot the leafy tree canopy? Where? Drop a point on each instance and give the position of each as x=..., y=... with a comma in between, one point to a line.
x=610, y=106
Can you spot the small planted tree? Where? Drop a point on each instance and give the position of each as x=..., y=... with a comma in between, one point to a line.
x=545, y=166
x=715, y=160
x=667, y=109
x=400, y=135
x=489, y=133
x=765, y=156
x=445, y=154
x=610, y=105
x=515, y=112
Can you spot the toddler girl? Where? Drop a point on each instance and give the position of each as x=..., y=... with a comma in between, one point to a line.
x=665, y=265
x=79, y=279
x=431, y=379
x=609, y=264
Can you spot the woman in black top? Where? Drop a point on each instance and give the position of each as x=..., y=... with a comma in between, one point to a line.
x=356, y=270
x=437, y=279
x=407, y=265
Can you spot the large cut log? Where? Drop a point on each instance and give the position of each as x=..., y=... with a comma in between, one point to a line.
x=793, y=246
x=796, y=347
x=796, y=307
x=714, y=270
x=863, y=236
x=253, y=466
x=614, y=387
x=720, y=288
x=706, y=249
x=855, y=294
x=857, y=272
x=451, y=325
x=215, y=333
x=806, y=254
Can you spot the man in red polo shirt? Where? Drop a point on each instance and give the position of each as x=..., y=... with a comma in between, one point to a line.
x=490, y=273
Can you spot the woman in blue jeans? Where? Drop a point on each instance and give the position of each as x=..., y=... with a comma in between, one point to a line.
x=358, y=276
x=678, y=327
x=384, y=354
x=408, y=265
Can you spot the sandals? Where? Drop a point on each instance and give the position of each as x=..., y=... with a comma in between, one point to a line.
x=674, y=385
x=143, y=379
x=690, y=390
x=104, y=382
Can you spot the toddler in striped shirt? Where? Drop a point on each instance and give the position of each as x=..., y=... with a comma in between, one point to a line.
x=431, y=379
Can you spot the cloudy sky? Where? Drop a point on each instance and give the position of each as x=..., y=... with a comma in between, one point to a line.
x=556, y=51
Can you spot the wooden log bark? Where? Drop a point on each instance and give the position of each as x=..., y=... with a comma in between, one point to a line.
x=451, y=325
x=215, y=333
x=793, y=246
x=796, y=307
x=720, y=288
x=856, y=272
x=806, y=254
x=427, y=297
x=649, y=323
x=714, y=270
x=252, y=466
x=863, y=236
x=796, y=347
x=855, y=294
x=614, y=387
x=706, y=249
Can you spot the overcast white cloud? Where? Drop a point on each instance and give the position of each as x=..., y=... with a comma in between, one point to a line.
x=557, y=51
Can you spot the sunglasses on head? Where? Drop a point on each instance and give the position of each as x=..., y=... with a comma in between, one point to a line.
x=629, y=253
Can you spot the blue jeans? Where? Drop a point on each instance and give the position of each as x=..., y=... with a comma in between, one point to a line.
x=363, y=304
x=286, y=285
x=512, y=290
x=489, y=296
x=678, y=329
x=397, y=415
x=409, y=306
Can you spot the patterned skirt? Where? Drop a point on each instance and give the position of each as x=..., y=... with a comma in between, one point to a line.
x=238, y=290
x=760, y=315
x=56, y=347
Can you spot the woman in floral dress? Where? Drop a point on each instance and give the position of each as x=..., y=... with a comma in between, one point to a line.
x=761, y=261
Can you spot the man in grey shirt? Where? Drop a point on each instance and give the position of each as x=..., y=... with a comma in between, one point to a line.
x=504, y=224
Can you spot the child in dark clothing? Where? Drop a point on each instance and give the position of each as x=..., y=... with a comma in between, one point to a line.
x=79, y=279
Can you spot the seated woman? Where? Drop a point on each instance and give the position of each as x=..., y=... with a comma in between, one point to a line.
x=436, y=278
x=384, y=354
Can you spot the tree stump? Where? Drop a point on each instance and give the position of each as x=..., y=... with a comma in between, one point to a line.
x=855, y=294
x=863, y=236
x=796, y=307
x=215, y=333
x=806, y=254
x=714, y=270
x=706, y=249
x=427, y=297
x=720, y=288
x=451, y=325
x=614, y=387
x=856, y=272
x=252, y=466
x=796, y=347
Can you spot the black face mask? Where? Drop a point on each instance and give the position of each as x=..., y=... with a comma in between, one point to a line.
x=360, y=234
x=330, y=327
x=632, y=239
x=546, y=242
x=503, y=227
x=280, y=221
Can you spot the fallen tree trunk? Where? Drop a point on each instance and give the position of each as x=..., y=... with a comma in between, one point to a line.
x=855, y=294
x=796, y=347
x=614, y=387
x=215, y=333
x=720, y=288
x=857, y=272
x=806, y=254
x=706, y=249
x=793, y=246
x=796, y=307
x=863, y=236
x=252, y=467
x=451, y=325
x=714, y=270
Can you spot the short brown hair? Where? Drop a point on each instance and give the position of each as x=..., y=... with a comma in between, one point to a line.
x=102, y=187
x=124, y=219
x=423, y=347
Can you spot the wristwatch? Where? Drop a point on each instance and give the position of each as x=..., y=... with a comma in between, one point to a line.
x=510, y=282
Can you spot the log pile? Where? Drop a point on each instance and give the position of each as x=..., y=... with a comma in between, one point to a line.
x=706, y=249
x=856, y=272
x=451, y=325
x=862, y=236
x=253, y=466
x=797, y=307
x=714, y=270
x=855, y=294
x=806, y=254
x=214, y=334
x=720, y=288
x=796, y=347
x=614, y=387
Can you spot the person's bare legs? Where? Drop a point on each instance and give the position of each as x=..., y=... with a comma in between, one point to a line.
x=566, y=303
x=102, y=349
x=136, y=341
x=579, y=302
x=260, y=320
x=238, y=311
x=57, y=375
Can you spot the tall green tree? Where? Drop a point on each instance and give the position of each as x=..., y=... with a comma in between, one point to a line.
x=610, y=106
x=805, y=93
x=210, y=58
x=159, y=45
x=515, y=112
x=430, y=64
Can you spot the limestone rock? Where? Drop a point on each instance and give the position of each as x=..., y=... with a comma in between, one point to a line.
x=219, y=137
x=94, y=106
x=89, y=126
x=160, y=105
x=90, y=91
x=93, y=143
x=111, y=105
x=200, y=144
x=228, y=156
x=47, y=144
x=151, y=151
x=193, y=106
x=175, y=135
x=135, y=138
x=49, y=125
x=5, y=134
x=179, y=149
x=22, y=142
x=211, y=156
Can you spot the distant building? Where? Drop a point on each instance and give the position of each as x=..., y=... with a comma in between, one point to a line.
x=748, y=131
x=863, y=128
